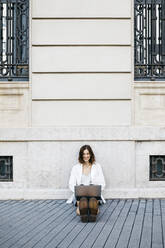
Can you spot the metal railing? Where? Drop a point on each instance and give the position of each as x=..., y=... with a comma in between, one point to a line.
x=149, y=39
x=14, y=40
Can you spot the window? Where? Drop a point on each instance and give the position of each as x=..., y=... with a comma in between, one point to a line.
x=149, y=39
x=157, y=168
x=14, y=40
x=6, y=168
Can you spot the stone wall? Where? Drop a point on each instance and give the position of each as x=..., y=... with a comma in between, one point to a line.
x=81, y=91
x=81, y=61
x=43, y=158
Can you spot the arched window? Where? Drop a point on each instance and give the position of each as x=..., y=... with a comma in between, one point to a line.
x=14, y=40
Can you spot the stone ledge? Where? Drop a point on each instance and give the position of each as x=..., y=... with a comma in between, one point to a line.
x=92, y=133
x=28, y=194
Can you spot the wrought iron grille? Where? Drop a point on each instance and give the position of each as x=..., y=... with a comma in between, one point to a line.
x=149, y=39
x=14, y=39
x=157, y=168
x=6, y=168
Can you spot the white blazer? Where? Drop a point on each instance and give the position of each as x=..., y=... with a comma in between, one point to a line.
x=97, y=177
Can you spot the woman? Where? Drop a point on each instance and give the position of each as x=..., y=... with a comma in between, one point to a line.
x=86, y=172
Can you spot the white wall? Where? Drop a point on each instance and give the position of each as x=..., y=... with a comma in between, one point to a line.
x=81, y=50
x=81, y=113
x=43, y=158
x=81, y=32
x=81, y=8
x=81, y=86
x=81, y=59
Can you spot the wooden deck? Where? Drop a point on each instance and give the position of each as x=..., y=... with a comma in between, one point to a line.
x=53, y=223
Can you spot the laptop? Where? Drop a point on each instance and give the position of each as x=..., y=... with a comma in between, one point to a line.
x=87, y=191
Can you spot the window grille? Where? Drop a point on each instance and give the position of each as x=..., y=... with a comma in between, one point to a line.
x=149, y=39
x=14, y=40
x=6, y=168
x=157, y=168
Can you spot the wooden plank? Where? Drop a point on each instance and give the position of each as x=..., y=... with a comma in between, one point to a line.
x=162, y=202
x=100, y=225
x=55, y=224
x=61, y=201
x=11, y=209
x=157, y=226
x=138, y=224
x=28, y=215
x=101, y=238
x=127, y=228
x=105, y=212
x=61, y=241
x=114, y=235
x=6, y=207
x=12, y=214
x=10, y=223
x=19, y=215
x=74, y=235
x=19, y=232
x=5, y=203
x=71, y=219
x=32, y=233
x=54, y=221
x=21, y=225
x=61, y=235
x=16, y=213
x=147, y=226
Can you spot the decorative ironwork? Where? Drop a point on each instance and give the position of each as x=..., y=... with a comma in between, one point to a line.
x=6, y=168
x=157, y=168
x=149, y=39
x=14, y=39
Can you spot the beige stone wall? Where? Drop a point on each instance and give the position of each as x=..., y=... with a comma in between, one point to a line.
x=81, y=58
x=81, y=9
x=81, y=61
x=14, y=104
x=15, y=97
x=149, y=102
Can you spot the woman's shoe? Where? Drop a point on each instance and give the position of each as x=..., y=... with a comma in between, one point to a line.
x=83, y=207
x=93, y=209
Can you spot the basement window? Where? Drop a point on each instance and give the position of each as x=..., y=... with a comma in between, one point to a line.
x=157, y=167
x=6, y=168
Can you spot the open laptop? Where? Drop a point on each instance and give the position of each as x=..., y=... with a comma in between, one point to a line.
x=87, y=191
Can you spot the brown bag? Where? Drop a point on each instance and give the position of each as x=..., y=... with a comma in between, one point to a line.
x=88, y=191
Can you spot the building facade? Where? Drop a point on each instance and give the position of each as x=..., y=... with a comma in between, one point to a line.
x=81, y=90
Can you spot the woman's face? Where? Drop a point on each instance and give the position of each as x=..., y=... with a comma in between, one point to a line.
x=86, y=155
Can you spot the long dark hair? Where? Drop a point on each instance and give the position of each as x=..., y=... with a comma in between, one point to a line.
x=92, y=156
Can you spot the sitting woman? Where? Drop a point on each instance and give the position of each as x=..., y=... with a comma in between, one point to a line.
x=86, y=172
